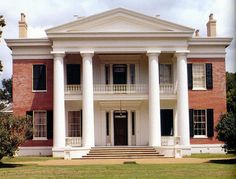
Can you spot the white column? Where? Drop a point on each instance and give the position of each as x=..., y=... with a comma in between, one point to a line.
x=182, y=100
x=58, y=101
x=154, y=100
x=88, y=139
x=112, y=128
x=129, y=128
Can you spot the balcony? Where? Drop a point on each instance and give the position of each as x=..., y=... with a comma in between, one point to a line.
x=119, y=89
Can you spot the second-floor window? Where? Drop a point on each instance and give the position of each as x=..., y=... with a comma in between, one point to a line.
x=39, y=77
x=165, y=73
x=199, y=76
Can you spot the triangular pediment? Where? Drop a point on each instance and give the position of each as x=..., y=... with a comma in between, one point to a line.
x=119, y=20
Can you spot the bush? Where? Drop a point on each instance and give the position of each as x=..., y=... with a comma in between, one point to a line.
x=13, y=132
x=226, y=129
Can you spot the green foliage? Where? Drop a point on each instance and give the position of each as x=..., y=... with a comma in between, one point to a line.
x=6, y=91
x=231, y=92
x=226, y=129
x=13, y=132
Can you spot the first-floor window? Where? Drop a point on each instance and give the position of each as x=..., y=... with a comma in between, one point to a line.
x=40, y=124
x=74, y=124
x=199, y=122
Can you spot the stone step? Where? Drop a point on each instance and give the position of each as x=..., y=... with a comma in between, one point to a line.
x=123, y=157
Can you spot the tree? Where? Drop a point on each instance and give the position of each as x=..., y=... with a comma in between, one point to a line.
x=13, y=133
x=2, y=24
x=6, y=91
x=226, y=129
x=231, y=92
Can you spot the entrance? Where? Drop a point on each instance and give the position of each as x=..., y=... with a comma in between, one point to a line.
x=120, y=128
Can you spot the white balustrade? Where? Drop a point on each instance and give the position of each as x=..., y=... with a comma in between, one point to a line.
x=169, y=141
x=74, y=141
x=119, y=89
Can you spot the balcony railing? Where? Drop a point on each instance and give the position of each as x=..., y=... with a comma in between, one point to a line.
x=119, y=89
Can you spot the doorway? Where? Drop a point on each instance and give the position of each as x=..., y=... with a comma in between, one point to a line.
x=120, y=128
x=120, y=74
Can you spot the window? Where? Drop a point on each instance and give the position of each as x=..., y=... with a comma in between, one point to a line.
x=133, y=122
x=199, y=76
x=74, y=124
x=40, y=125
x=165, y=73
x=107, y=123
x=199, y=122
x=39, y=77
x=73, y=74
x=132, y=73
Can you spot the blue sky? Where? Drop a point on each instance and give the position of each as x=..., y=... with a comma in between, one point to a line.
x=43, y=14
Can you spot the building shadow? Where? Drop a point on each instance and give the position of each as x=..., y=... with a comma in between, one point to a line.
x=224, y=161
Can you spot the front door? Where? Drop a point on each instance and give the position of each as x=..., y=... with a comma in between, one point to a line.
x=120, y=128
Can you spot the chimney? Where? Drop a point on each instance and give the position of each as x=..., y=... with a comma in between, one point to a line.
x=22, y=27
x=211, y=26
x=197, y=33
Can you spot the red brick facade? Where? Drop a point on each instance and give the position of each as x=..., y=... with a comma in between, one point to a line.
x=24, y=99
x=210, y=99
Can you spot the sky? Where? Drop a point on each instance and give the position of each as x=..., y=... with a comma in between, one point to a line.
x=43, y=14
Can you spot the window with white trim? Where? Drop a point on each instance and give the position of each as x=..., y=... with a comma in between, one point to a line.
x=165, y=73
x=199, y=76
x=40, y=125
x=200, y=122
x=74, y=124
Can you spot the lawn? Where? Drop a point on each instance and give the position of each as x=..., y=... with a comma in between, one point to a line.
x=205, y=170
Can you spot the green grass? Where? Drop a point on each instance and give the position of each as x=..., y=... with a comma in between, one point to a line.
x=205, y=170
x=26, y=159
x=206, y=156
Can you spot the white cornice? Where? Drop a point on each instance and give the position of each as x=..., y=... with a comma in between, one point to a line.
x=225, y=41
x=160, y=34
x=28, y=42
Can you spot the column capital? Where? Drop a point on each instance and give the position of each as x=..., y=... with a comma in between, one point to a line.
x=153, y=53
x=86, y=53
x=180, y=53
x=58, y=53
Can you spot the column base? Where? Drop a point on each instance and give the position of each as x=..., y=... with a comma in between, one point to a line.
x=70, y=152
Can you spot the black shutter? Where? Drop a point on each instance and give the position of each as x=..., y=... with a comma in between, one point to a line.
x=29, y=134
x=49, y=124
x=42, y=79
x=191, y=122
x=209, y=79
x=210, y=122
x=190, y=76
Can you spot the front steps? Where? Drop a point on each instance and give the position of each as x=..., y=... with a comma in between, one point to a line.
x=121, y=152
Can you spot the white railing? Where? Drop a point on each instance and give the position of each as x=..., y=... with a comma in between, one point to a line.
x=73, y=89
x=166, y=88
x=74, y=141
x=119, y=89
x=169, y=141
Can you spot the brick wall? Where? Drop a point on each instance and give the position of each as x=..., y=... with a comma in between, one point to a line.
x=210, y=99
x=23, y=97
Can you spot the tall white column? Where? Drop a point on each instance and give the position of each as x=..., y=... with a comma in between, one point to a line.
x=58, y=101
x=154, y=100
x=182, y=100
x=88, y=139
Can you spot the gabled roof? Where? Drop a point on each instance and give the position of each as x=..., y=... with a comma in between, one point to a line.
x=119, y=21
